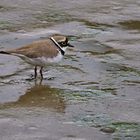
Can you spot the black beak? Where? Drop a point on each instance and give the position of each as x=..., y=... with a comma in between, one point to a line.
x=69, y=45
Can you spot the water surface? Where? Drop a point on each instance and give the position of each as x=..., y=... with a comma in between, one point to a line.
x=93, y=93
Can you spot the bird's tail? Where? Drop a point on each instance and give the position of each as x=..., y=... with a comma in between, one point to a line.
x=3, y=52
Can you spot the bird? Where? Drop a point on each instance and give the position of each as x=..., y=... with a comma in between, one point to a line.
x=42, y=52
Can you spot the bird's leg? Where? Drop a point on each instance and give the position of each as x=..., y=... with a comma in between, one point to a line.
x=41, y=73
x=35, y=71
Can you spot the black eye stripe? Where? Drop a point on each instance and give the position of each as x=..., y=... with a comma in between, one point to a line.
x=63, y=43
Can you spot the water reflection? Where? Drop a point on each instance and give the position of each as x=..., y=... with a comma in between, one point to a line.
x=42, y=96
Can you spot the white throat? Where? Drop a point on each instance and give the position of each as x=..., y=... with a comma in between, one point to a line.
x=64, y=48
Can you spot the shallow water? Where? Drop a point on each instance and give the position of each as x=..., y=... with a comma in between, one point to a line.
x=93, y=93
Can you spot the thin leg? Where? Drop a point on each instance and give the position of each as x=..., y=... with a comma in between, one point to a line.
x=41, y=72
x=35, y=71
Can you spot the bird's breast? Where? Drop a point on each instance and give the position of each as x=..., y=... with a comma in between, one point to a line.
x=45, y=60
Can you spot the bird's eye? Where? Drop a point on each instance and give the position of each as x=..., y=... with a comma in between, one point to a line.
x=64, y=43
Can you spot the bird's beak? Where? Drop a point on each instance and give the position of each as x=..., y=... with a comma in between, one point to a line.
x=69, y=45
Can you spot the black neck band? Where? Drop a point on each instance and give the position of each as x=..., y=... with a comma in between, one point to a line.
x=57, y=45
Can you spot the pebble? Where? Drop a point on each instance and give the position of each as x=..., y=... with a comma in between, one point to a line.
x=108, y=130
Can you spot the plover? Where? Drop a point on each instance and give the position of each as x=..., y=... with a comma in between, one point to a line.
x=42, y=52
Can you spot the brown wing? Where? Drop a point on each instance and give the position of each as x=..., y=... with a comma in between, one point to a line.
x=37, y=49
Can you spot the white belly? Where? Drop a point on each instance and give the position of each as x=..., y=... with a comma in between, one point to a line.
x=44, y=60
x=41, y=61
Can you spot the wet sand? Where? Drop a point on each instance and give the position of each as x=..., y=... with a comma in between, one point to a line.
x=93, y=94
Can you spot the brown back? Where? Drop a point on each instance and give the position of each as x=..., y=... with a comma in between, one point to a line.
x=36, y=49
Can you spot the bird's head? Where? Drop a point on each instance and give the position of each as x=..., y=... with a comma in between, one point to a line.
x=62, y=41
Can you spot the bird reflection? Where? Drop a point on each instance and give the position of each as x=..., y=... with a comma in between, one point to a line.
x=40, y=96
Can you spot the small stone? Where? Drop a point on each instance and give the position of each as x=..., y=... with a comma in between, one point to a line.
x=44, y=22
x=108, y=130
